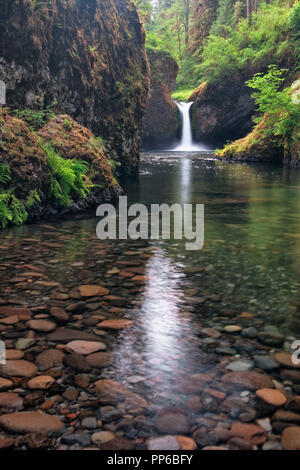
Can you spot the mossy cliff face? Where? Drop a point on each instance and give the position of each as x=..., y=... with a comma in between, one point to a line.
x=221, y=112
x=85, y=57
x=161, y=123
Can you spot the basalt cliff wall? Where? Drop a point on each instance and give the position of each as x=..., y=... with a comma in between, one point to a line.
x=84, y=58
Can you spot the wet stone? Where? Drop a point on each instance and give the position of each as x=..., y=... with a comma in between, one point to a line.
x=265, y=362
x=49, y=359
x=240, y=365
x=172, y=423
x=163, y=443
x=30, y=421
x=41, y=325
x=18, y=368
x=86, y=347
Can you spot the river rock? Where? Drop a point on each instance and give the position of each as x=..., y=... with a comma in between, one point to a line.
x=186, y=443
x=248, y=380
x=240, y=365
x=5, y=383
x=114, y=324
x=11, y=400
x=290, y=439
x=93, y=291
x=24, y=343
x=250, y=432
x=13, y=354
x=233, y=329
x=111, y=392
x=86, y=347
x=163, y=443
x=11, y=311
x=41, y=382
x=285, y=359
x=271, y=339
x=30, y=422
x=77, y=362
x=265, y=362
x=172, y=423
x=59, y=314
x=65, y=335
x=271, y=396
x=81, y=438
x=102, y=437
x=49, y=359
x=41, y=325
x=18, y=368
x=99, y=359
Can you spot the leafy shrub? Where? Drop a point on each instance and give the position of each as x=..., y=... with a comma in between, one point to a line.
x=11, y=209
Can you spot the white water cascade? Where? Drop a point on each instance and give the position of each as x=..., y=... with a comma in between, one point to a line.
x=186, y=143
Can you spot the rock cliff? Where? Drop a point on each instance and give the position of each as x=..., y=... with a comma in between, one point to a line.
x=161, y=123
x=84, y=58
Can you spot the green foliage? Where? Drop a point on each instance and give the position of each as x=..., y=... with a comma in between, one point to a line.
x=33, y=197
x=67, y=177
x=225, y=19
x=11, y=209
x=35, y=119
x=282, y=114
x=5, y=176
x=145, y=9
x=249, y=47
x=182, y=95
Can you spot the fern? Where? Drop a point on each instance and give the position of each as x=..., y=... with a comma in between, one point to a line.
x=4, y=173
x=67, y=177
x=11, y=209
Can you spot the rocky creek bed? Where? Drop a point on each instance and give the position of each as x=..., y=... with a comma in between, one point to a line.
x=138, y=345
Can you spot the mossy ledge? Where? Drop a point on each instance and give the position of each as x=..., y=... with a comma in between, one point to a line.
x=58, y=170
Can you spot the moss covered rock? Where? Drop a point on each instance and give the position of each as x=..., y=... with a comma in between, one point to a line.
x=26, y=191
x=161, y=123
x=20, y=149
x=258, y=145
x=86, y=59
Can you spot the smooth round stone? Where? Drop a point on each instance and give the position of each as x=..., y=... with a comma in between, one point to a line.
x=114, y=324
x=186, y=443
x=41, y=325
x=271, y=396
x=285, y=359
x=49, y=359
x=59, y=314
x=225, y=350
x=30, y=422
x=18, y=368
x=93, y=291
x=240, y=365
x=11, y=400
x=250, y=332
x=99, y=359
x=41, y=382
x=233, y=329
x=265, y=362
x=86, y=347
x=25, y=343
x=5, y=384
x=102, y=437
x=12, y=354
x=89, y=423
x=290, y=439
x=134, y=379
x=271, y=339
x=172, y=423
x=163, y=443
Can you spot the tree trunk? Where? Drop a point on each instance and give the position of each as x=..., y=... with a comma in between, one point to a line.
x=187, y=22
x=249, y=9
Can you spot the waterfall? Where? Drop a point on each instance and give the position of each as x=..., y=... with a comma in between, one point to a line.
x=186, y=143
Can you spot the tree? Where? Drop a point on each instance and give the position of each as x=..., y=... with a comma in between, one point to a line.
x=225, y=18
